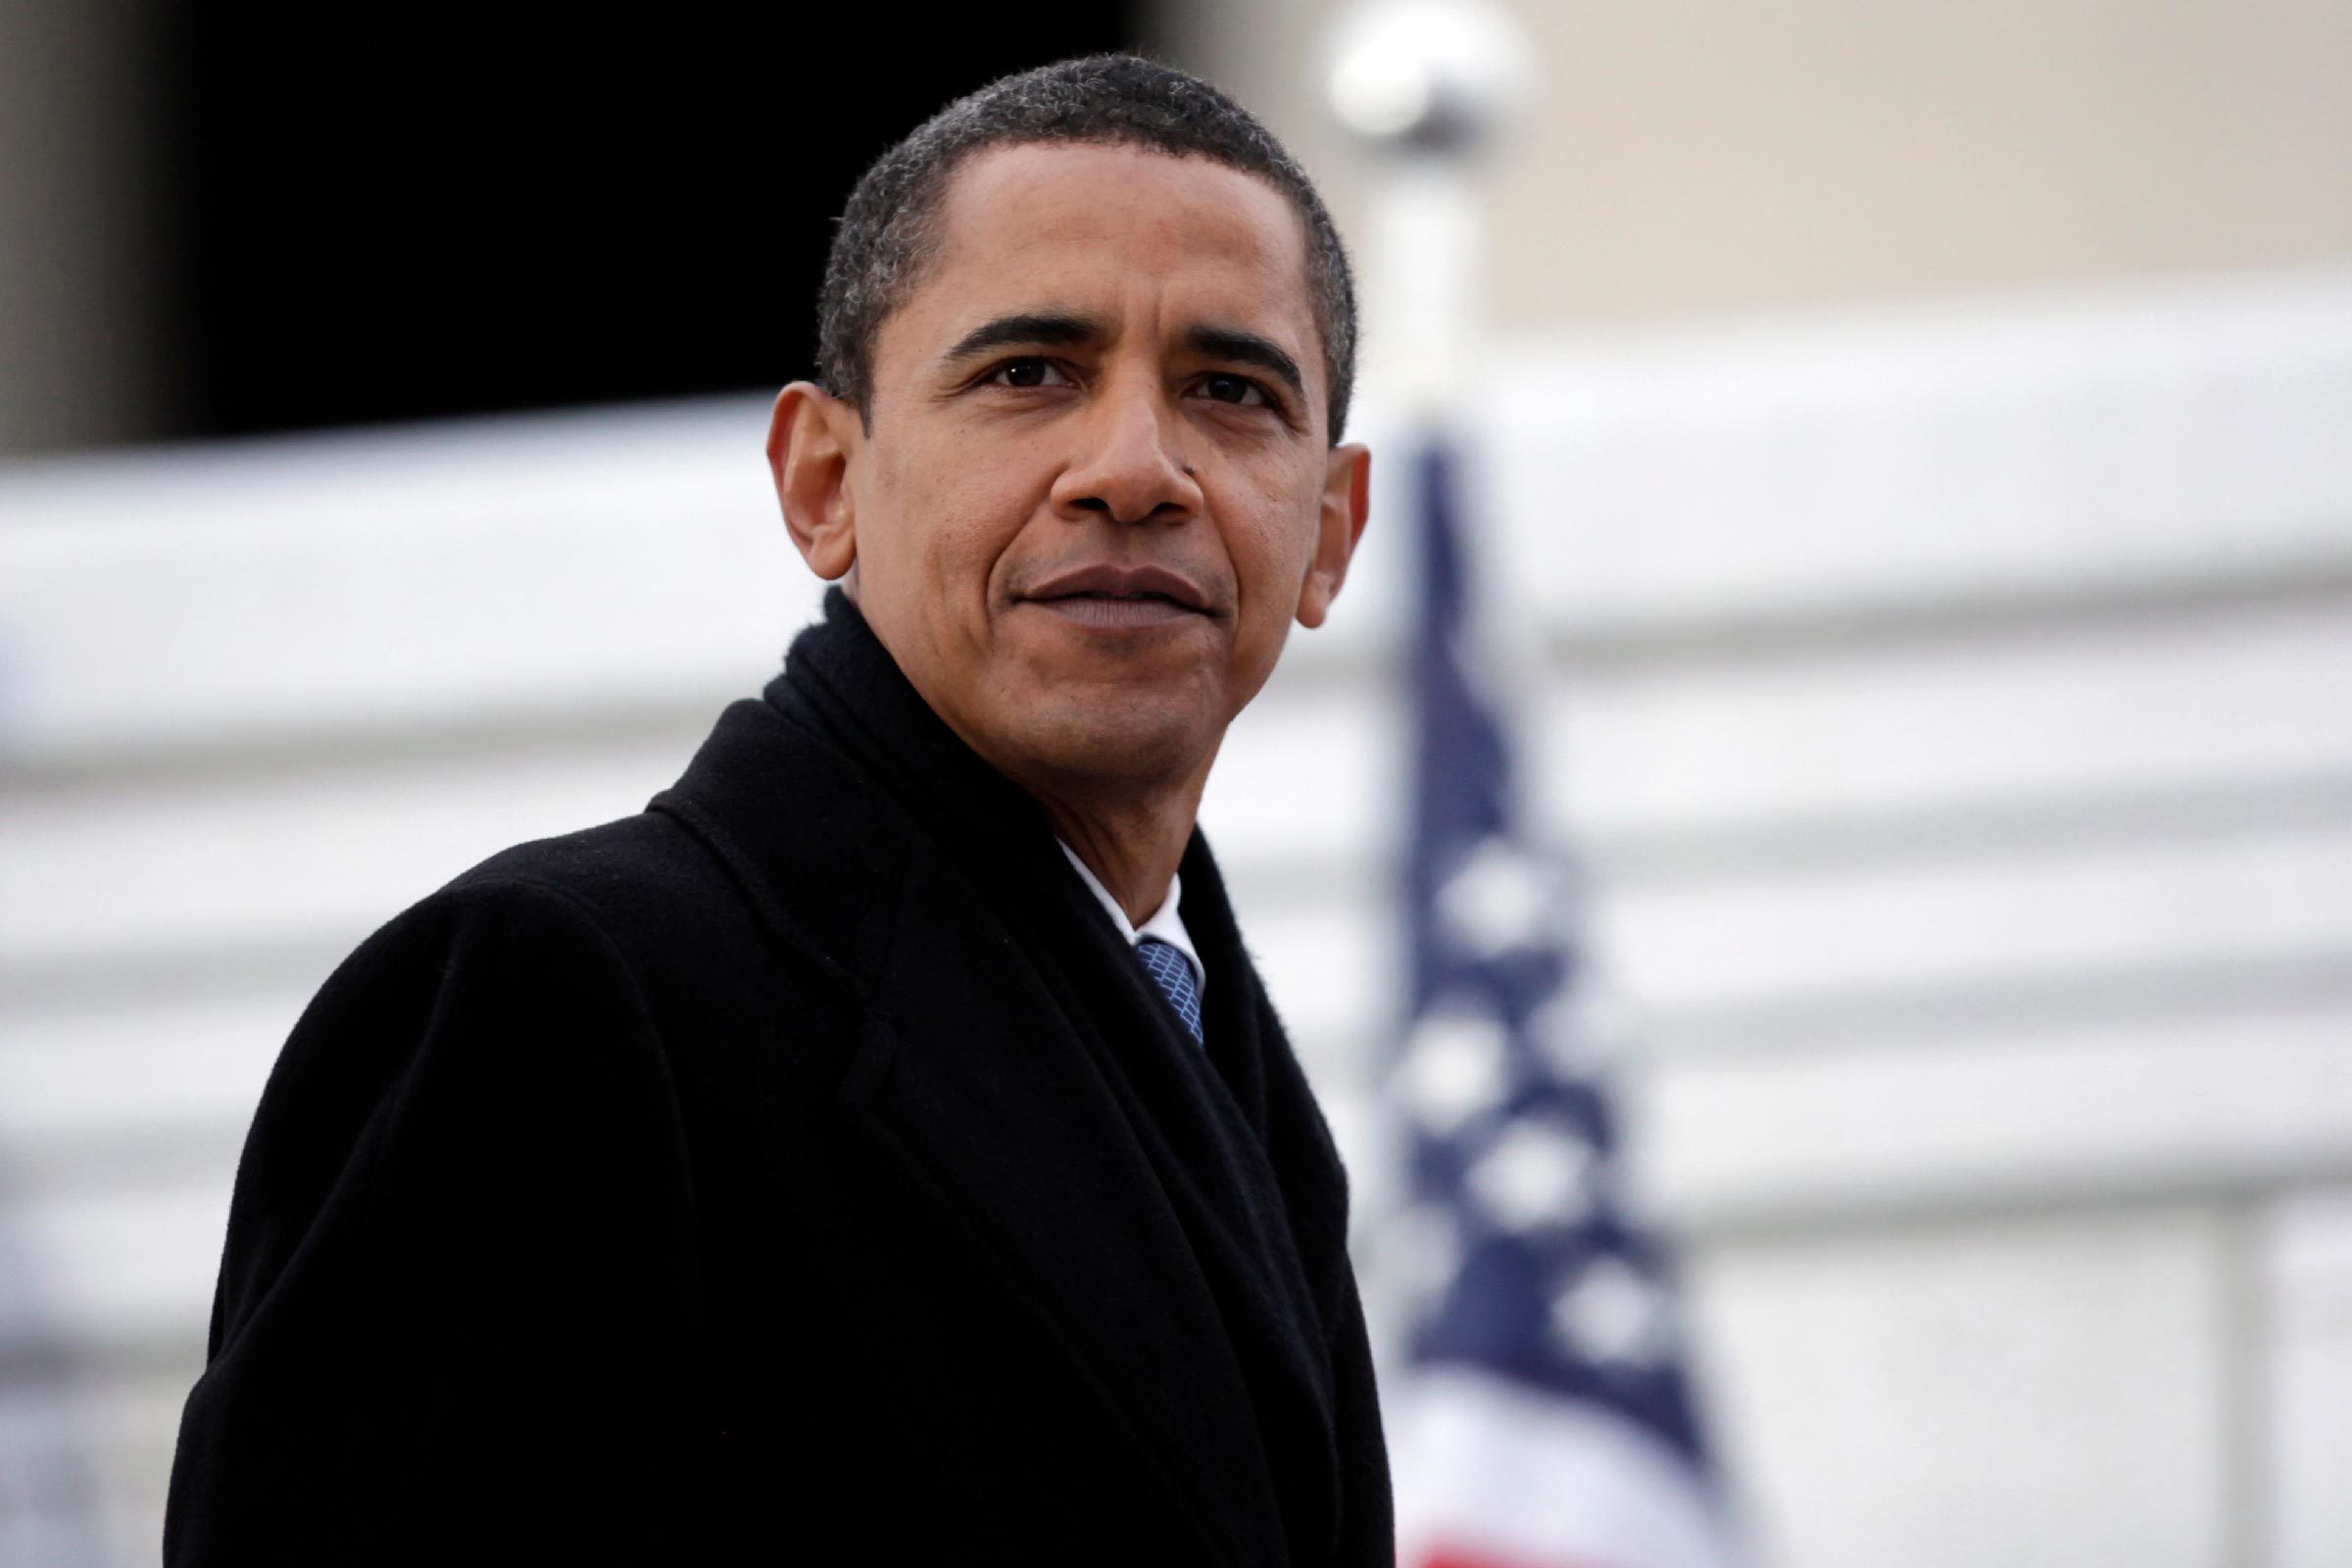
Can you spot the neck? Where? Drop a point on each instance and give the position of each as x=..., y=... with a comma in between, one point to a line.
x=1129, y=829
x=1132, y=845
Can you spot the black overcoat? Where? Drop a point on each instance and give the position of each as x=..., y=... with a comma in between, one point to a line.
x=802, y=1169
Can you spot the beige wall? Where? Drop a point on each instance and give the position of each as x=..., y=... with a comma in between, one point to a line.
x=1689, y=157
x=1697, y=157
x=77, y=310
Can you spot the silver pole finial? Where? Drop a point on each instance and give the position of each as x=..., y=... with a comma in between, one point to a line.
x=1426, y=86
x=1429, y=77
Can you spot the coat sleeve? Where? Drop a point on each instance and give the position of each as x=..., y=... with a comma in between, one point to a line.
x=456, y=1312
x=1317, y=1186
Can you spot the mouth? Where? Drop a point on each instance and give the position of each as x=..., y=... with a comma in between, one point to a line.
x=1114, y=598
x=1118, y=614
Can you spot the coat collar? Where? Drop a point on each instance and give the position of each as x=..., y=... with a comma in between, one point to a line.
x=1024, y=1080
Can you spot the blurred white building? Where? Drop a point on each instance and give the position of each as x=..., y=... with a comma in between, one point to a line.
x=1922, y=439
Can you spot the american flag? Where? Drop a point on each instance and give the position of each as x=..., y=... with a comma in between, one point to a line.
x=1544, y=1417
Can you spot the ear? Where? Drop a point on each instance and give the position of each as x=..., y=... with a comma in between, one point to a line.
x=1339, y=523
x=810, y=442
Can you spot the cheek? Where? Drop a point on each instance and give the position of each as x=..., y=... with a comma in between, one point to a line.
x=917, y=510
x=955, y=527
x=1271, y=548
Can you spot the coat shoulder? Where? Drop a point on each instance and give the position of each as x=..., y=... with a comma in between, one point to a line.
x=609, y=873
x=650, y=886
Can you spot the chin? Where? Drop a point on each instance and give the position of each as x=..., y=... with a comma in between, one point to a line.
x=1119, y=737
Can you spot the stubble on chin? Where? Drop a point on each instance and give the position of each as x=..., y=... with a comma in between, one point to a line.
x=1142, y=744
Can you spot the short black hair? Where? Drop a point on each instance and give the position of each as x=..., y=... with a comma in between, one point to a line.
x=889, y=234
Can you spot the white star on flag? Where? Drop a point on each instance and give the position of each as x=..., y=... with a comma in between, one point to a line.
x=1539, y=1172
x=1500, y=901
x=1456, y=1064
x=1613, y=1314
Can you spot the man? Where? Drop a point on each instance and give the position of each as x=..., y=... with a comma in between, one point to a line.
x=880, y=1148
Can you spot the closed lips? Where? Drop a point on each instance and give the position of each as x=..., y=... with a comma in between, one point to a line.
x=1143, y=585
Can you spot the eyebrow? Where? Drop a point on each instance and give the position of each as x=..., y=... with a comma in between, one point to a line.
x=1063, y=330
x=1046, y=328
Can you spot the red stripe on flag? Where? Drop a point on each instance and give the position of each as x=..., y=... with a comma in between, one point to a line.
x=1455, y=1555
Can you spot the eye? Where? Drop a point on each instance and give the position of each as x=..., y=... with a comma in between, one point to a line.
x=1238, y=390
x=1028, y=371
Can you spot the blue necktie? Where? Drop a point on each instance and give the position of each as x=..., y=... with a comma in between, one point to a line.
x=1174, y=974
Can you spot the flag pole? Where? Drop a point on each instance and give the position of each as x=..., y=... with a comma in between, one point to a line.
x=1426, y=87
x=1429, y=90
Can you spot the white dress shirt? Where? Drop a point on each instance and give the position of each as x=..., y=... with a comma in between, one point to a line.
x=1164, y=922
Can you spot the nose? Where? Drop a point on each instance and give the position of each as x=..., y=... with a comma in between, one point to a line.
x=1127, y=469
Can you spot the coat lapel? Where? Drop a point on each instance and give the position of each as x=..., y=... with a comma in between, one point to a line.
x=974, y=1086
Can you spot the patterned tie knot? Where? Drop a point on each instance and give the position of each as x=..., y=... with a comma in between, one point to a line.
x=1174, y=974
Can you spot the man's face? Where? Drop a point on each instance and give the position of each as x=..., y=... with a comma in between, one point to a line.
x=1097, y=486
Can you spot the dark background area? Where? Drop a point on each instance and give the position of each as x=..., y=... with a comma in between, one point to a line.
x=443, y=209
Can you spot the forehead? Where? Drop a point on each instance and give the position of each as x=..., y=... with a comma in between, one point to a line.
x=1111, y=230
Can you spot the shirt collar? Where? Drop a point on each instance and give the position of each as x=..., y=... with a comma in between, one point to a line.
x=1164, y=922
